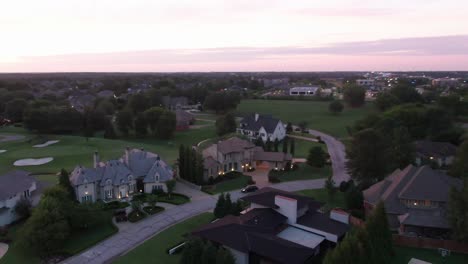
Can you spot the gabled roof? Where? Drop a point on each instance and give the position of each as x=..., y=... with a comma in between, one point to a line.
x=428, y=149
x=254, y=122
x=413, y=183
x=14, y=182
x=272, y=156
x=234, y=144
x=266, y=197
x=256, y=231
x=323, y=222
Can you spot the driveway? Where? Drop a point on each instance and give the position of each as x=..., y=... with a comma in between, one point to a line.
x=133, y=235
x=260, y=176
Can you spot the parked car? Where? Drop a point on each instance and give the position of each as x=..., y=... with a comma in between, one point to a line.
x=251, y=188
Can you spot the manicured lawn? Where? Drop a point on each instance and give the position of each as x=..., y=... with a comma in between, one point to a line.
x=229, y=185
x=316, y=114
x=304, y=172
x=404, y=255
x=321, y=195
x=76, y=150
x=302, y=147
x=154, y=250
x=135, y=216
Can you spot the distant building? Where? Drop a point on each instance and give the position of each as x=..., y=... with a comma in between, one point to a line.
x=365, y=82
x=235, y=154
x=445, y=82
x=14, y=186
x=415, y=200
x=174, y=103
x=265, y=127
x=427, y=152
x=278, y=227
x=183, y=119
x=105, y=94
x=137, y=171
x=303, y=91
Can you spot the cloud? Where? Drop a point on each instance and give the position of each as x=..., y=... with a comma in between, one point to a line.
x=348, y=12
x=425, y=48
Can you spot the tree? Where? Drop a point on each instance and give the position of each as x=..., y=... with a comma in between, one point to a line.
x=198, y=251
x=152, y=118
x=138, y=103
x=354, y=95
x=181, y=162
x=141, y=125
x=166, y=125
x=354, y=197
x=222, y=101
x=459, y=167
x=285, y=145
x=289, y=128
x=23, y=208
x=124, y=120
x=276, y=145
x=109, y=131
x=292, y=147
x=385, y=101
x=220, y=208
x=209, y=253
x=317, y=157
x=380, y=236
x=136, y=205
x=330, y=187
x=367, y=158
x=170, y=187
x=224, y=256
x=225, y=124
x=402, y=151
x=152, y=200
x=406, y=94
x=193, y=251
x=64, y=182
x=228, y=204
x=457, y=208
x=335, y=107
x=14, y=109
x=303, y=126
x=268, y=144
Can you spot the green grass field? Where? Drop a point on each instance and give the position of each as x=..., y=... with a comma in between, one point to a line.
x=154, y=249
x=76, y=150
x=302, y=147
x=321, y=195
x=316, y=114
x=229, y=185
x=304, y=172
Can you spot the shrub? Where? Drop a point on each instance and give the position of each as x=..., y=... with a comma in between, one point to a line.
x=273, y=179
x=250, y=181
x=136, y=216
x=153, y=210
x=344, y=185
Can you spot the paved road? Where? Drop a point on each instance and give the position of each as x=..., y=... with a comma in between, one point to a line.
x=336, y=149
x=137, y=233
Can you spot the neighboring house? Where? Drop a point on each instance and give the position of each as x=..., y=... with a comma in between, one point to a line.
x=427, y=152
x=304, y=91
x=265, y=127
x=105, y=94
x=445, y=82
x=13, y=186
x=235, y=154
x=279, y=227
x=174, y=103
x=183, y=120
x=415, y=199
x=365, y=82
x=137, y=171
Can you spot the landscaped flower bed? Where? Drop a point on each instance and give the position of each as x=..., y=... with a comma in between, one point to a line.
x=175, y=198
x=136, y=216
x=153, y=210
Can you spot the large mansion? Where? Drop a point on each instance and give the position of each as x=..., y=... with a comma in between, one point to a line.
x=265, y=127
x=136, y=171
x=235, y=154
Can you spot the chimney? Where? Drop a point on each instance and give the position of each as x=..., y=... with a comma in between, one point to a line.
x=256, y=117
x=340, y=216
x=96, y=159
x=287, y=207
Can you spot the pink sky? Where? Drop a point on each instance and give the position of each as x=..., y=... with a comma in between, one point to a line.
x=241, y=35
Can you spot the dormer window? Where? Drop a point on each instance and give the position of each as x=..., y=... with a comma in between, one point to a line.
x=157, y=177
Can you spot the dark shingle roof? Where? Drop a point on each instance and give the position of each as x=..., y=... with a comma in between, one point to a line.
x=234, y=144
x=428, y=149
x=323, y=222
x=266, y=121
x=272, y=156
x=266, y=197
x=256, y=231
x=14, y=182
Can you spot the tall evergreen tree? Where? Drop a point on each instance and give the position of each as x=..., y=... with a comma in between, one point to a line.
x=402, y=151
x=182, y=172
x=459, y=167
x=64, y=181
x=457, y=212
x=219, y=210
x=380, y=236
x=268, y=144
x=285, y=145
x=276, y=145
x=292, y=147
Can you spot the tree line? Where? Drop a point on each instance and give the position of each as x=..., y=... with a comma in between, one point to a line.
x=191, y=165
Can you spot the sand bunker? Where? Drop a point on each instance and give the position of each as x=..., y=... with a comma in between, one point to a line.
x=3, y=249
x=2, y=151
x=33, y=162
x=50, y=142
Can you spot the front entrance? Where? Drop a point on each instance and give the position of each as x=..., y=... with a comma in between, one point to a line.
x=263, y=165
x=140, y=185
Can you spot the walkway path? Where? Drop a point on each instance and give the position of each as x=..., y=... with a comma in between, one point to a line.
x=137, y=233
